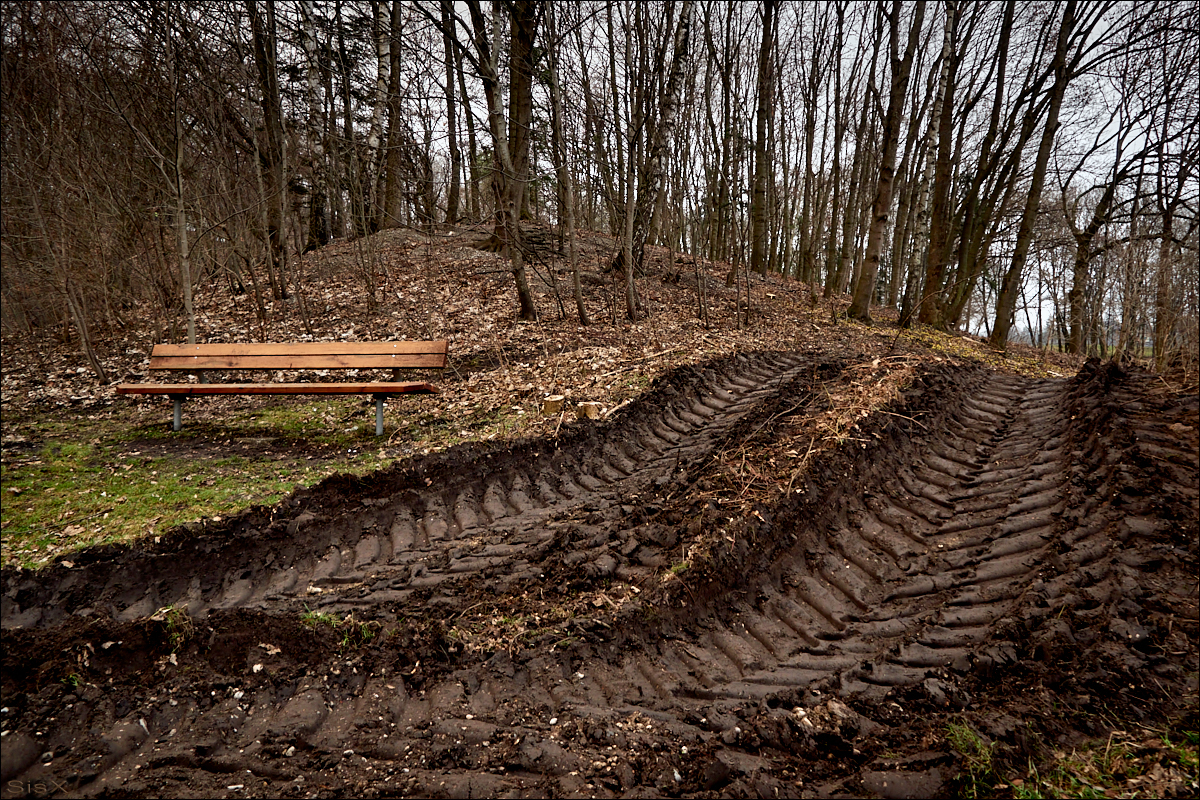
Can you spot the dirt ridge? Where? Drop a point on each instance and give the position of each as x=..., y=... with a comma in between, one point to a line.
x=985, y=531
x=348, y=531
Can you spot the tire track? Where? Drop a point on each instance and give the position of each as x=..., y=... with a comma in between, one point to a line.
x=912, y=586
x=1004, y=502
x=477, y=517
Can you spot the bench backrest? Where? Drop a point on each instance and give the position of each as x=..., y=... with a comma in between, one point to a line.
x=303, y=355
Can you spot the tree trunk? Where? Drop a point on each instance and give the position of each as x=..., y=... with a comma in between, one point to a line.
x=977, y=228
x=526, y=16
x=864, y=290
x=596, y=139
x=452, y=194
x=271, y=156
x=392, y=179
x=663, y=134
x=766, y=91
x=633, y=125
x=936, y=173
x=1010, y=288
x=181, y=219
x=839, y=127
x=354, y=178
x=1079, y=268
x=318, y=210
x=473, y=204
x=383, y=71
x=837, y=281
x=618, y=196
x=511, y=181
x=567, y=186
x=337, y=205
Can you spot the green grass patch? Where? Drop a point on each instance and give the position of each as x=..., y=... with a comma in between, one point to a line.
x=353, y=634
x=83, y=481
x=315, y=619
x=77, y=480
x=75, y=495
x=1123, y=765
x=978, y=776
x=177, y=624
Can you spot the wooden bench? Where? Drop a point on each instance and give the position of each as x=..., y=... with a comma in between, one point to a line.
x=315, y=355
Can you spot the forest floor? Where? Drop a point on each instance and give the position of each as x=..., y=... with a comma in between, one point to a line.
x=793, y=556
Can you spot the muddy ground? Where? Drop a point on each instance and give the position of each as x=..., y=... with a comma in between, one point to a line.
x=675, y=602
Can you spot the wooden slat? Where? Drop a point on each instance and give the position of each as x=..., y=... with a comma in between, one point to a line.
x=410, y=387
x=300, y=355
x=299, y=348
x=294, y=361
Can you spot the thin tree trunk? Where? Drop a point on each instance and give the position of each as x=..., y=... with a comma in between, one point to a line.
x=354, y=181
x=337, y=204
x=567, y=186
x=858, y=169
x=766, y=90
x=511, y=180
x=663, y=135
x=473, y=204
x=318, y=221
x=452, y=194
x=1006, y=301
x=618, y=196
x=392, y=180
x=839, y=126
x=181, y=219
x=1079, y=267
x=864, y=290
x=977, y=229
x=920, y=250
x=272, y=156
x=383, y=71
x=633, y=124
x=931, y=311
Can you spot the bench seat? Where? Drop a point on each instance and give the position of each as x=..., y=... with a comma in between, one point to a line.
x=198, y=358
x=412, y=387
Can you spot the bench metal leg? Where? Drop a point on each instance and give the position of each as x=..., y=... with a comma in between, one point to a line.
x=177, y=420
x=379, y=414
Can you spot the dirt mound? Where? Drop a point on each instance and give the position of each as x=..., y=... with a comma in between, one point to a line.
x=589, y=614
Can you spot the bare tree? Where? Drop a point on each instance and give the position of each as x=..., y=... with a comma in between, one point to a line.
x=452, y=197
x=1072, y=44
x=864, y=290
x=510, y=137
x=270, y=152
x=766, y=92
x=566, y=184
x=318, y=220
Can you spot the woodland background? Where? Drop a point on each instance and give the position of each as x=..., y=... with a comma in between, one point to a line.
x=1024, y=171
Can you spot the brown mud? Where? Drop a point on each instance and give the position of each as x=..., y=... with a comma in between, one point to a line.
x=589, y=614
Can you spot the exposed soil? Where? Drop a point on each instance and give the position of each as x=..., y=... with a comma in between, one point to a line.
x=688, y=599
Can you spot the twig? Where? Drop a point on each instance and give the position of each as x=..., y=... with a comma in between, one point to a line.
x=618, y=407
x=910, y=419
x=799, y=469
x=460, y=614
